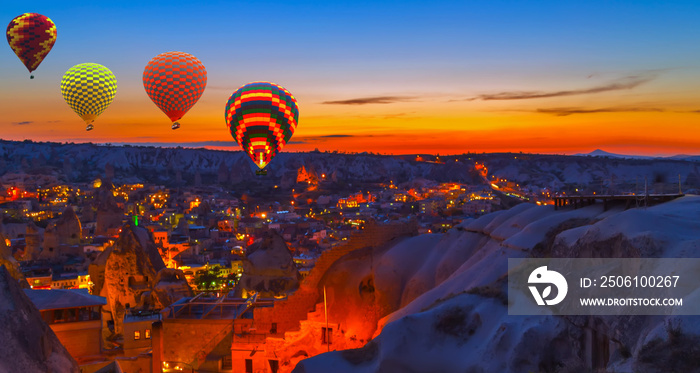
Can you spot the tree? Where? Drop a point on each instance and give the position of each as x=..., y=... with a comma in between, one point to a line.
x=209, y=279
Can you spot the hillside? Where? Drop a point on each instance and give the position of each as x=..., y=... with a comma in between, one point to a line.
x=172, y=166
x=48, y=163
x=599, y=174
x=448, y=294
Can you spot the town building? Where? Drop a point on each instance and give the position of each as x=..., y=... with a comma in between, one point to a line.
x=74, y=315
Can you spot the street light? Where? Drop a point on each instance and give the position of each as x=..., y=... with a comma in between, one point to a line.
x=177, y=366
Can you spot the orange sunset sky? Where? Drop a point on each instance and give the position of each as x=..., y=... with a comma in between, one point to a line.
x=385, y=77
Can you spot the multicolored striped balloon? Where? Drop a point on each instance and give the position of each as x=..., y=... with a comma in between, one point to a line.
x=262, y=117
x=31, y=36
x=175, y=81
x=88, y=88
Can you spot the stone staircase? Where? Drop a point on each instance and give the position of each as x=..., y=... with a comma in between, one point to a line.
x=313, y=318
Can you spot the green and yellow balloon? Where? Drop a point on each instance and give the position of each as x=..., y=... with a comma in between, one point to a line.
x=88, y=88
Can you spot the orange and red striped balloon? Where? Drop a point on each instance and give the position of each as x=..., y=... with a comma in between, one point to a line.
x=175, y=81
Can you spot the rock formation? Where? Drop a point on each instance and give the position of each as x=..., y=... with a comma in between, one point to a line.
x=135, y=275
x=450, y=296
x=96, y=270
x=28, y=344
x=109, y=172
x=109, y=214
x=32, y=239
x=9, y=261
x=170, y=286
x=269, y=268
x=222, y=174
x=306, y=176
x=64, y=231
x=130, y=271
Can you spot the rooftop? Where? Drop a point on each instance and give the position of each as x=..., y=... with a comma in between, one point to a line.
x=63, y=298
x=212, y=308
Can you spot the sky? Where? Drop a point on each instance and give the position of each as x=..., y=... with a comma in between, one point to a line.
x=394, y=77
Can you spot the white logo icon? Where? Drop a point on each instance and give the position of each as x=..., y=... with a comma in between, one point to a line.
x=542, y=276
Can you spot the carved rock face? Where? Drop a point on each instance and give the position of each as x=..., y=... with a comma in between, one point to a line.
x=9, y=261
x=66, y=230
x=109, y=214
x=170, y=286
x=269, y=267
x=135, y=276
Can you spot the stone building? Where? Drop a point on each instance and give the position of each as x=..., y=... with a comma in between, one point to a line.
x=74, y=315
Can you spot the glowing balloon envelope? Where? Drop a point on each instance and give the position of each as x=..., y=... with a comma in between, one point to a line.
x=262, y=117
x=174, y=81
x=88, y=88
x=31, y=36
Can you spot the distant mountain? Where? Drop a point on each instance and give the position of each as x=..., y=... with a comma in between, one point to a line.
x=603, y=153
x=685, y=157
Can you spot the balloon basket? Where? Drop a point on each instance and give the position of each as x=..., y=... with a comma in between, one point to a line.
x=261, y=172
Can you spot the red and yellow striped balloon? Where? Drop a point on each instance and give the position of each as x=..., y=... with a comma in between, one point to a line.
x=31, y=36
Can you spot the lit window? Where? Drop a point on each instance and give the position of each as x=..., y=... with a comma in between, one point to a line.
x=148, y=334
x=137, y=335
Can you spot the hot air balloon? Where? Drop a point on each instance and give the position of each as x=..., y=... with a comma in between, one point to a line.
x=175, y=81
x=262, y=117
x=88, y=88
x=31, y=36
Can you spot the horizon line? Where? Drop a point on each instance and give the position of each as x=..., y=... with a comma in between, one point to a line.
x=214, y=145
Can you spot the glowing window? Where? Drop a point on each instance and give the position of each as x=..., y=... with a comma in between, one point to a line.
x=137, y=335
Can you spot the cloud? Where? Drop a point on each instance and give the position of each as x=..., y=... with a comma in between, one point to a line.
x=23, y=123
x=194, y=144
x=371, y=100
x=326, y=138
x=209, y=143
x=394, y=116
x=564, y=111
x=627, y=82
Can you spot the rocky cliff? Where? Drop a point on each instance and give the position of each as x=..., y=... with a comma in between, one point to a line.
x=28, y=344
x=451, y=297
